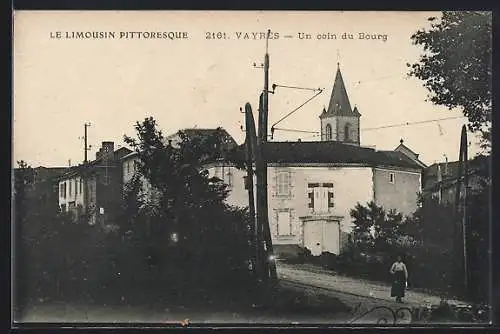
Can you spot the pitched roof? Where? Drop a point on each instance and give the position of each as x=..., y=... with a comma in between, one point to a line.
x=195, y=132
x=339, y=101
x=411, y=154
x=449, y=170
x=75, y=170
x=332, y=152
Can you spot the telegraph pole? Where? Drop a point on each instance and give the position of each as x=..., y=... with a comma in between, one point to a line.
x=262, y=198
x=85, y=194
x=86, y=125
x=250, y=146
x=461, y=209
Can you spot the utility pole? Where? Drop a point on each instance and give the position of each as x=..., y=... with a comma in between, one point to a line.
x=461, y=209
x=250, y=146
x=262, y=198
x=86, y=125
x=85, y=194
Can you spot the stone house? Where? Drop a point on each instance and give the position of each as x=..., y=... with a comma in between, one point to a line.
x=94, y=188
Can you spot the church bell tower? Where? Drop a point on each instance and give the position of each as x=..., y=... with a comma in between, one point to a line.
x=340, y=122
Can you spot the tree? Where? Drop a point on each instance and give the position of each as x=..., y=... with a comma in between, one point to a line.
x=376, y=229
x=362, y=237
x=456, y=66
x=389, y=233
x=191, y=204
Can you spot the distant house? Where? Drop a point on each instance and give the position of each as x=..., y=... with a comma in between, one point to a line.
x=42, y=184
x=94, y=188
x=440, y=179
x=312, y=186
x=130, y=161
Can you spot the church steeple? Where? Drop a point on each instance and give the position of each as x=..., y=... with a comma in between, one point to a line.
x=339, y=101
x=340, y=122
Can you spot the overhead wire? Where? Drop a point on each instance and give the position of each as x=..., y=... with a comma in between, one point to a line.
x=380, y=127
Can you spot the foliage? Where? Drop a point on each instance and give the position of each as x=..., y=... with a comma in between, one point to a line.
x=456, y=66
x=375, y=229
x=190, y=203
x=479, y=230
x=432, y=224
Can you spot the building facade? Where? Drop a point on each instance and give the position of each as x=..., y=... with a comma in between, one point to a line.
x=95, y=188
x=310, y=198
x=440, y=179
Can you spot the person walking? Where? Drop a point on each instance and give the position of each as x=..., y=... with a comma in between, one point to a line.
x=400, y=277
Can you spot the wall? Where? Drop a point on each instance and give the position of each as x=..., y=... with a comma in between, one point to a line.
x=71, y=196
x=333, y=123
x=129, y=169
x=351, y=185
x=354, y=129
x=109, y=190
x=401, y=195
x=238, y=195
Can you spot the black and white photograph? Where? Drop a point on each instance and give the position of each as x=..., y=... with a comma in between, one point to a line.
x=251, y=168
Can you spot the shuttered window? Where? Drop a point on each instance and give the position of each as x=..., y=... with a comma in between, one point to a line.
x=283, y=183
x=284, y=223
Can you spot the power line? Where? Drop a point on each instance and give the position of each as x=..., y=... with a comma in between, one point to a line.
x=295, y=130
x=359, y=82
x=295, y=87
x=294, y=110
x=380, y=127
x=411, y=123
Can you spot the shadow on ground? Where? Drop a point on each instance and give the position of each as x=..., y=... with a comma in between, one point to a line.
x=226, y=304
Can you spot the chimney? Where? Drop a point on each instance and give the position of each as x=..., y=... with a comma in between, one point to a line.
x=446, y=166
x=107, y=150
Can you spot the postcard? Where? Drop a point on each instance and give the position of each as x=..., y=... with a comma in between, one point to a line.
x=251, y=168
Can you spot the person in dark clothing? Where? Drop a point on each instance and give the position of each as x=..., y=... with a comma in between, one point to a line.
x=400, y=277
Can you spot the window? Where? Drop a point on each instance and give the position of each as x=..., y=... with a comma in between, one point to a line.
x=283, y=184
x=81, y=186
x=347, y=132
x=128, y=167
x=320, y=197
x=245, y=181
x=229, y=175
x=61, y=190
x=328, y=132
x=391, y=177
x=284, y=223
x=70, y=183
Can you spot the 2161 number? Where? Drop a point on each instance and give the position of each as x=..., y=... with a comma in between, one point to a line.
x=215, y=35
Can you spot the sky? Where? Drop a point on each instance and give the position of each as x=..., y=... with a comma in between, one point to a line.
x=62, y=82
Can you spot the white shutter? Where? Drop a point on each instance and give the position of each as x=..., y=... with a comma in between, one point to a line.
x=284, y=226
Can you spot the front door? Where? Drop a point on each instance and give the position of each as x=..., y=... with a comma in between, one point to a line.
x=313, y=231
x=331, y=237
